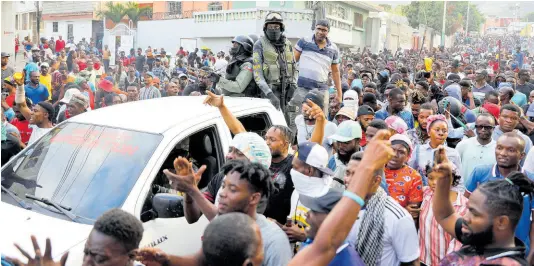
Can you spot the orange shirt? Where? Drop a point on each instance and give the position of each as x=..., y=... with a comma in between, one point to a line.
x=404, y=185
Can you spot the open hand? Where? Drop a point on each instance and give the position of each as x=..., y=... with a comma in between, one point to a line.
x=214, y=100
x=185, y=179
x=152, y=257
x=39, y=260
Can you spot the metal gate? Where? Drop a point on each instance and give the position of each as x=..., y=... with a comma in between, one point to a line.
x=127, y=37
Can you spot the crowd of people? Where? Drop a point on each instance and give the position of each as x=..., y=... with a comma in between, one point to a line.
x=415, y=157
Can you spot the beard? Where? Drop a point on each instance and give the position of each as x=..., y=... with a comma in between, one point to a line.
x=276, y=154
x=480, y=239
x=345, y=158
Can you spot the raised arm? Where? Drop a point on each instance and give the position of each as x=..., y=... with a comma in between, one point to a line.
x=313, y=110
x=231, y=121
x=441, y=205
x=20, y=100
x=339, y=222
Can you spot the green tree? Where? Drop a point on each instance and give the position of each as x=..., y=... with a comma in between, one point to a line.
x=113, y=12
x=430, y=13
x=529, y=17
x=134, y=12
x=386, y=7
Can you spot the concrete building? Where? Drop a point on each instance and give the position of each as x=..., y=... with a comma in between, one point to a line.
x=8, y=28
x=215, y=29
x=389, y=31
x=26, y=19
x=73, y=19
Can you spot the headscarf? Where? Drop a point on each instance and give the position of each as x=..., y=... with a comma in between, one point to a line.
x=404, y=140
x=493, y=109
x=253, y=147
x=396, y=123
x=353, y=104
x=433, y=118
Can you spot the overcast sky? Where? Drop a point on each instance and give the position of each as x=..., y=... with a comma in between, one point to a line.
x=496, y=8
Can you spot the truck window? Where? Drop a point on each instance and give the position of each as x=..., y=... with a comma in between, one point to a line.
x=258, y=123
x=201, y=148
x=88, y=168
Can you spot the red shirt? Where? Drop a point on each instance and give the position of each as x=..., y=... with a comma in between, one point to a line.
x=60, y=44
x=404, y=185
x=182, y=52
x=82, y=65
x=24, y=129
x=125, y=61
x=10, y=100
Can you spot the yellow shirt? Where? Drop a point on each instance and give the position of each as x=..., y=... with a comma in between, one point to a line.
x=47, y=81
x=106, y=54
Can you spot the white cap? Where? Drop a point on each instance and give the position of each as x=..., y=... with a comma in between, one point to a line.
x=68, y=95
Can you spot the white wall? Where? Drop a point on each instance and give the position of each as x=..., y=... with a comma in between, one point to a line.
x=8, y=29
x=81, y=28
x=217, y=36
x=27, y=6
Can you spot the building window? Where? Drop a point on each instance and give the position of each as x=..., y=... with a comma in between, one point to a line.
x=54, y=26
x=24, y=21
x=341, y=12
x=17, y=22
x=358, y=20
x=215, y=6
x=174, y=7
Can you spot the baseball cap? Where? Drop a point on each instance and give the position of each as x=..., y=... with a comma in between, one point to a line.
x=365, y=110
x=45, y=64
x=4, y=54
x=346, y=111
x=182, y=75
x=68, y=95
x=10, y=81
x=80, y=99
x=323, y=204
x=347, y=131
x=106, y=85
x=253, y=147
x=316, y=97
x=482, y=71
x=83, y=73
x=35, y=48
x=314, y=155
x=150, y=74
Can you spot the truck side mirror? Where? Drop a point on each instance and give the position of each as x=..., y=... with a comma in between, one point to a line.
x=168, y=205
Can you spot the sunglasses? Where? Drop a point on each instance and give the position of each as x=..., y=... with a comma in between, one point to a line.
x=484, y=127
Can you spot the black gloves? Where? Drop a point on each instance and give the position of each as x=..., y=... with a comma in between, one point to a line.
x=214, y=77
x=274, y=100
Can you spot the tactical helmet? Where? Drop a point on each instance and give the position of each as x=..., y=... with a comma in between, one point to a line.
x=253, y=37
x=245, y=41
x=274, y=17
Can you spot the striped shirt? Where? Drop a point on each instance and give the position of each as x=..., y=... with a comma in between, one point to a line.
x=149, y=93
x=315, y=63
x=434, y=242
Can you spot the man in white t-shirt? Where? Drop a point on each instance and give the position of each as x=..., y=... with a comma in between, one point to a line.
x=40, y=117
x=382, y=219
x=220, y=65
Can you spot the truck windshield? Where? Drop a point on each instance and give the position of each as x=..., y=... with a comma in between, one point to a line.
x=88, y=168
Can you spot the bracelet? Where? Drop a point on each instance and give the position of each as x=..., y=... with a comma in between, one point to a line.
x=354, y=197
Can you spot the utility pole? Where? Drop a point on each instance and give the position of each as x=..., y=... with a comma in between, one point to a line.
x=443, y=24
x=38, y=15
x=467, y=22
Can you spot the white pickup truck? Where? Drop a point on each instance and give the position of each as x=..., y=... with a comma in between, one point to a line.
x=114, y=158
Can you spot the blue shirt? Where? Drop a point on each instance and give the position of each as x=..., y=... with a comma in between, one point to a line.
x=36, y=94
x=405, y=115
x=346, y=255
x=315, y=63
x=485, y=173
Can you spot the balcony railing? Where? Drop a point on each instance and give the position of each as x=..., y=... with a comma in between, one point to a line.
x=171, y=15
x=339, y=23
x=250, y=14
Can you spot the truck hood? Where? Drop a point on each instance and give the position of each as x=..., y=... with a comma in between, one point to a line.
x=18, y=224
